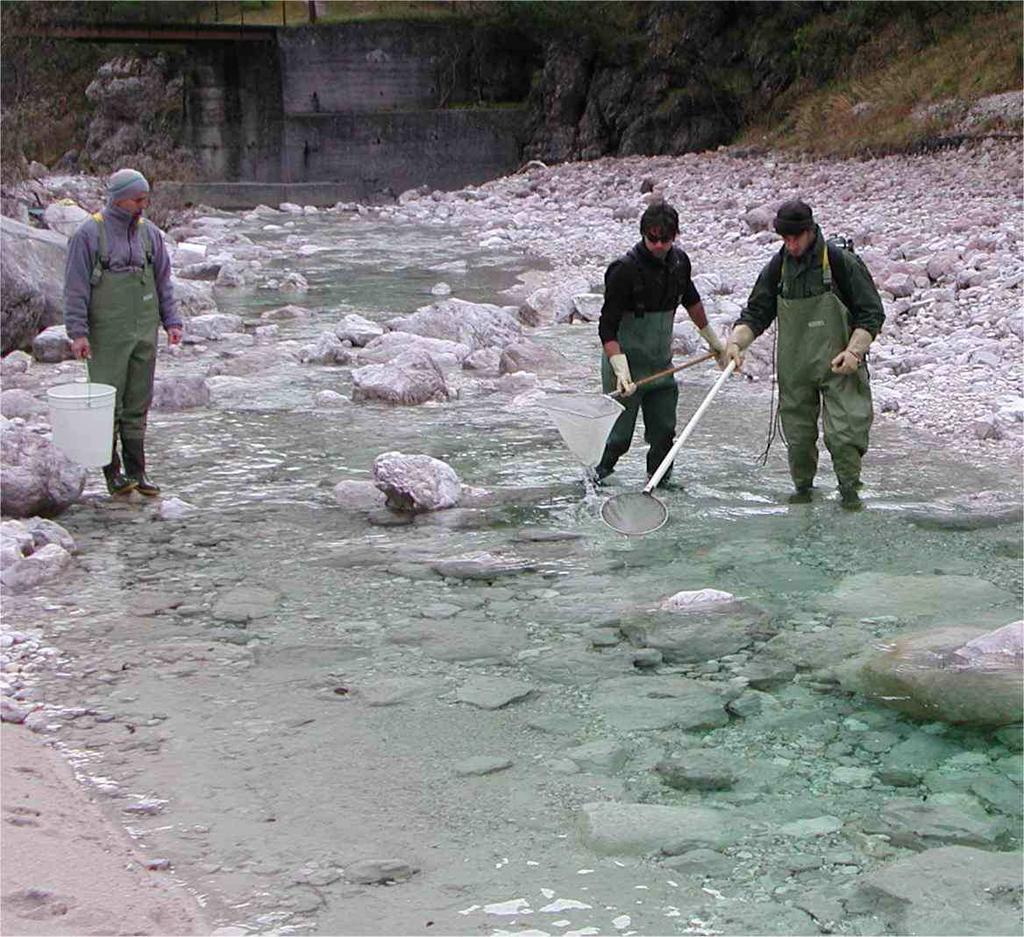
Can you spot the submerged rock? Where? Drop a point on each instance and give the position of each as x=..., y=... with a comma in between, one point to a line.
x=957, y=675
x=916, y=825
x=619, y=829
x=704, y=632
x=974, y=511
x=379, y=871
x=631, y=704
x=871, y=594
x=951, y=890
x=493, y=692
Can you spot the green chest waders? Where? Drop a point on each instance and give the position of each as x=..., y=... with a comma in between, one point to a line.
x=811, y=332
x=124, y=314
x=646, y=340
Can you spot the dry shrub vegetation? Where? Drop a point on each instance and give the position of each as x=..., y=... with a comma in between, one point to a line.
x=913, y=99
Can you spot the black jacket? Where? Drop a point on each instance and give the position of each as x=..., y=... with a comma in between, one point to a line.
x=639, y=283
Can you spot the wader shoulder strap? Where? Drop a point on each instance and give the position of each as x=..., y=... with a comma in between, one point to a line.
x=147, y=241
x=826, y=269
x=104, y=252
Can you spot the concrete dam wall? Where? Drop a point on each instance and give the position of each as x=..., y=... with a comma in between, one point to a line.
x=355, y=111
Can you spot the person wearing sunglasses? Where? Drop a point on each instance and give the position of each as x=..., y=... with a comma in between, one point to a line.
x=642, y=291
x=117, y=291
x=829, y=312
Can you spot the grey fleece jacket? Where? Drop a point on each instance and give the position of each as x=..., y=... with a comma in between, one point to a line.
x=124, y=241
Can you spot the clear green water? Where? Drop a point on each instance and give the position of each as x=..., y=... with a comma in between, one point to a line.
x=272, y=778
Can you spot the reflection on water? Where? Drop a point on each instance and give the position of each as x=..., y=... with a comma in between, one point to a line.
x=289, y=667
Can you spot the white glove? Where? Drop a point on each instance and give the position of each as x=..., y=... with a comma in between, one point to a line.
x=714, y=344
x=738, y=342
x=623, y=379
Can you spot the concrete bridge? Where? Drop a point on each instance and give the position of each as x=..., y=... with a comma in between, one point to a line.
x=341, y=111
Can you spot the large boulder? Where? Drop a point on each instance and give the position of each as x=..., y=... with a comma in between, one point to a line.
x=211, y=327
x=180, y=393
x=416, y=482
x=31, y=282
x=193, y=296
x=957, y=675
x=553, y=303
x=37, y=477
x=390, y=345
x=929, y=892
x=357, y=330
x=477, y=325
x=20, y=403
x=525, y=355
x=410, y=378
x=64, y=217
x=327, y=349
x=52, y=345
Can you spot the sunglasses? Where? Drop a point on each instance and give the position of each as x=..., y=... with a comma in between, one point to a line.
x=659, y=238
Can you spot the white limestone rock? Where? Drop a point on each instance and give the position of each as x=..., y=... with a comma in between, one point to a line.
x=173, y=509
x=327, y=349
x=64, y=217
x=416, y=482
x=41, y=566
x=37, y=477
x=282, y=313
x=699, y=599
x=359, y=495
x=20, y=403
x=525, y=355
x=357, y=330
x=180, y=393
x=391, y=345
x=552, y=303
x=477, y=325
x=52, y=345
x=211, y=327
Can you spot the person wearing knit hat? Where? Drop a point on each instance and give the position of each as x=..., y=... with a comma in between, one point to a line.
x=829, y=312
x=642, y=291
x=117, y=292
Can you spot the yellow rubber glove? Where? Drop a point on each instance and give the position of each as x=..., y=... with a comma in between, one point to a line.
x=714, y=344
x=739, y=341
x=623, y=379
x=851, y=358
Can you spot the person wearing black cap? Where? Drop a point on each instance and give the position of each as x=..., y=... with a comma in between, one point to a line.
x=829, y=312
x=641, y=293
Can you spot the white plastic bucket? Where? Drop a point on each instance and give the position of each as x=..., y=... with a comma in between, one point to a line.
x=82, y=417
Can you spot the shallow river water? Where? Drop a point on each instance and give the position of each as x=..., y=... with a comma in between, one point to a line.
x=267, y=690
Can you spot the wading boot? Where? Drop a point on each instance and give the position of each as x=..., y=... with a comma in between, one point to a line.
x=117, y=482
x=803, y=495
x=849, y=499
x=135, y=467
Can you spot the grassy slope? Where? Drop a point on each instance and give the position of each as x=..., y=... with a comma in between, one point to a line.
x=903, y=101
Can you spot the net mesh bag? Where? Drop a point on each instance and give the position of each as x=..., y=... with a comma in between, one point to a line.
x=634, y=513
x=584, y=422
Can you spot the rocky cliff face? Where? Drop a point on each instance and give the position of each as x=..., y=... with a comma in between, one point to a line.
x=686, y=81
